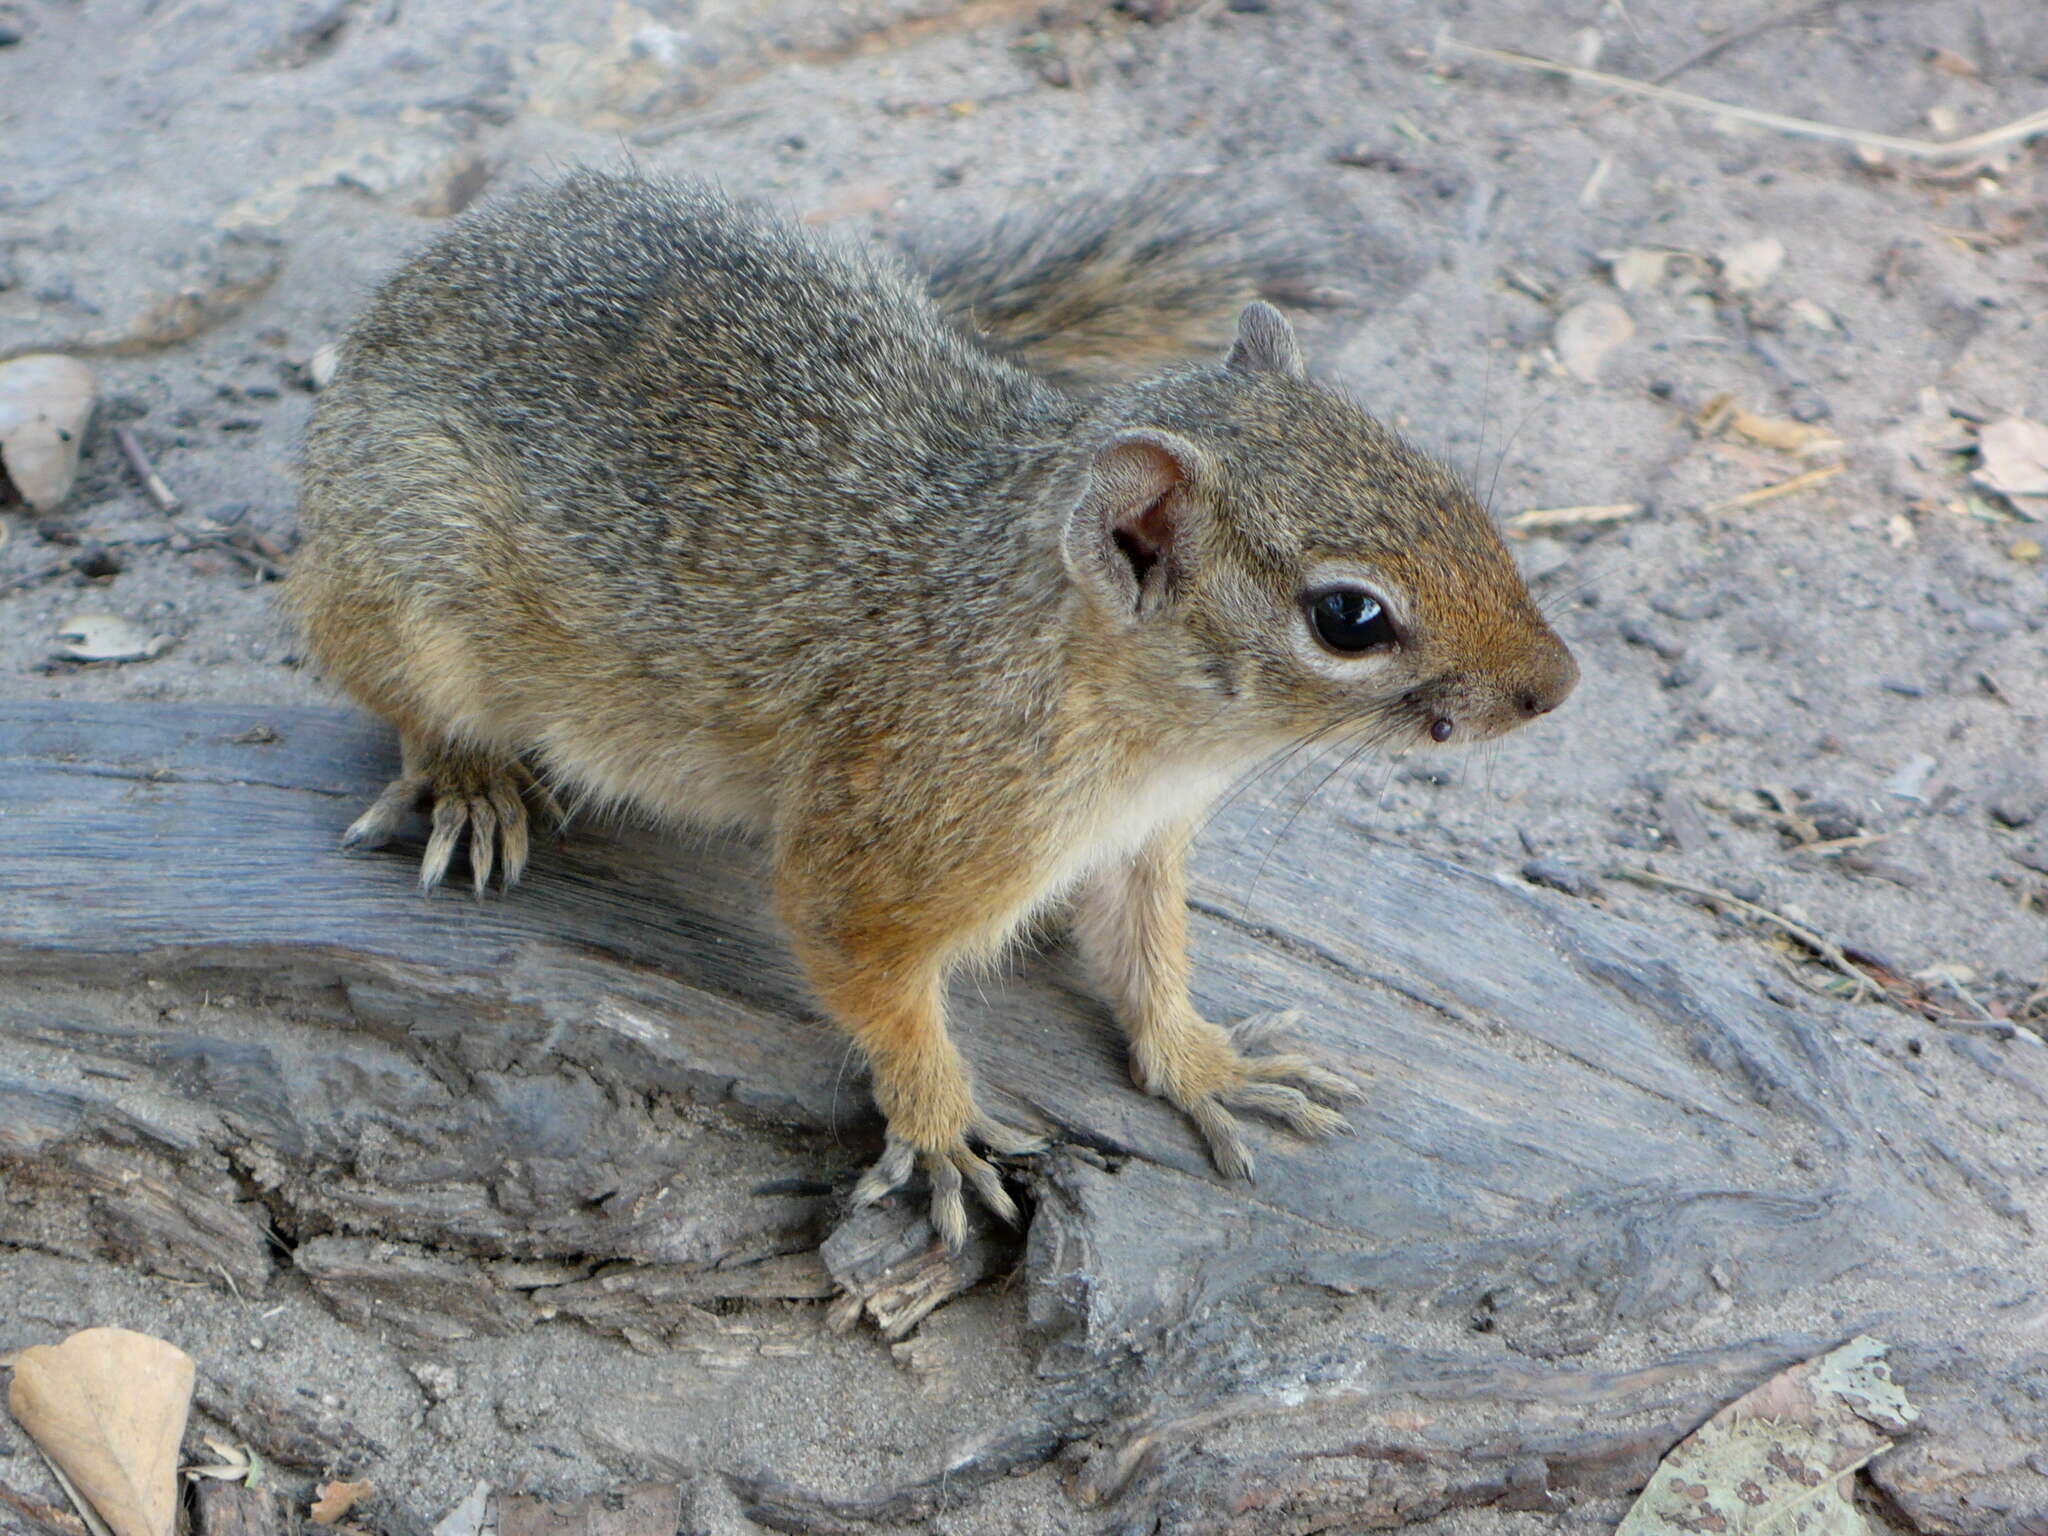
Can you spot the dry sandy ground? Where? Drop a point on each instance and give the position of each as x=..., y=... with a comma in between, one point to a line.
x=1865, y=658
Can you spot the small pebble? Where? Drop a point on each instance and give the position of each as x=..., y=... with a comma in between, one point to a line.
x=1636, y=632
x=1989, y=621
x=1831, y=819
x=1682, y=825
x=2017, y=808
x=1689, y=604
x=1910, y=782
x=1902, y=688
x=1560, y=877
x=1684, y=675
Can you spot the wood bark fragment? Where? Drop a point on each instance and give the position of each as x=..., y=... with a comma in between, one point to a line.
x=606, y=1097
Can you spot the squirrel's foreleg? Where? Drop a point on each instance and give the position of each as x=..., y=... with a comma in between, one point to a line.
x=1131, y=925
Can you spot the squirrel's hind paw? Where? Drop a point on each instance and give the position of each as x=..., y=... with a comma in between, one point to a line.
x=950, y=1169
x=476, y=800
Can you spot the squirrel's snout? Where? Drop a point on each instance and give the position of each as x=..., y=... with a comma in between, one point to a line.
x=1549, y=682
x=1490, y=702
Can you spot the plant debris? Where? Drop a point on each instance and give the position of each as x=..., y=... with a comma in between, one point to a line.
x=107, y=1407
x=1539, y=519
x=1587, y=332
x=336, y=1500
x=2019, y=131
x=45, y=402
x=2013, y=462
x=1781, y=1458
x=107, y=637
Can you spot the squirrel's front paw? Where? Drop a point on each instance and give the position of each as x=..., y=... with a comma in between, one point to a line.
x=948, y=1163
x=1204, y=1069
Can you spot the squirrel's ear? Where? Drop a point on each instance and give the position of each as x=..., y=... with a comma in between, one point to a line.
x=1126, y=536
x=1265, y=343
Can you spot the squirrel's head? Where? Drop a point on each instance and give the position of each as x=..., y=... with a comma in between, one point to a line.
x=1279, y=549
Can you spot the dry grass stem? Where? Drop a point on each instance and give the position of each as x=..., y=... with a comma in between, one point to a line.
x=1522, y=524
x=2016, y=132
x=1822, y=946
x=1792, y=487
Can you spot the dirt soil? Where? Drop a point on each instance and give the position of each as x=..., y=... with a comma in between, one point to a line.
x=1832, y=703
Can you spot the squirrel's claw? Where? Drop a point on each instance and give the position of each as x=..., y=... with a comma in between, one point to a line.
x=1282, y=1086
x=950, y=1169
x=387, y=813
x=477, y=801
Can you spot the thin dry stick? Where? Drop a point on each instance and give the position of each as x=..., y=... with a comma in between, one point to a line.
x=1792, y=487
x=1728, y=40
x=2016, y=132
x=152, y=482
x=1821, y=945
x=1569, y=517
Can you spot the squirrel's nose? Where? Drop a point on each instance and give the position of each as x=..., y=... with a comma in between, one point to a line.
x=1549, y=682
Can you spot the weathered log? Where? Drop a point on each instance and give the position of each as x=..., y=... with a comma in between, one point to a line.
x=460, y=1117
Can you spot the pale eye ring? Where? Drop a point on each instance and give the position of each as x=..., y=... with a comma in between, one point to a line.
x=1351, y=621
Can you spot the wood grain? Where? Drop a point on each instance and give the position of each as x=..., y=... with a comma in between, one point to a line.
x=1575, y=1126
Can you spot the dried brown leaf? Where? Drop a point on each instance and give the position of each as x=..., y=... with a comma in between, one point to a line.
x=108, y=1407
x=336, y=1500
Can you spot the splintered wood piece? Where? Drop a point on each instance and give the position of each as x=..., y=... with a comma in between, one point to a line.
x=644, y=1509
x=235, y=1509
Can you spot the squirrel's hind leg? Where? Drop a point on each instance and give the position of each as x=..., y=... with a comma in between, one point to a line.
x=473, y=797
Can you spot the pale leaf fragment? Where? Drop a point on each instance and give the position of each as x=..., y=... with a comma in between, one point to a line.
x=108, y=1408
x=107, y=637
x=1640, y=269
x=1779, y=1459
x=45, y=402
x=2013, y=461
x=1800, y=439
x=1749, y=264
x=1811, y=314
x=1587, y=332
x=468, y=1518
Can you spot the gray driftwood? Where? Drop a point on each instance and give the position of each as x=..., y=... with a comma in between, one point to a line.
x=459, y=1118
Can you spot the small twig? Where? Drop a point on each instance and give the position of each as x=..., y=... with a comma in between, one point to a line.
x=86, y=1512
x=1828, y=847
x=152, y=482
x=239, y=544
x=725, y=117
x=1820, y=944
x=38, y=576
x=44, y=1517
x=2015, y=132
x=1792, y=487
x=1538, y=518
x=1728, y=40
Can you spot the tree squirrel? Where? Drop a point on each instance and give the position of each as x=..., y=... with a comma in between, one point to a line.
x=631, y=492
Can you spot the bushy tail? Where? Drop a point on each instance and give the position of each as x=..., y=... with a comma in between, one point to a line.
x=1109, y=287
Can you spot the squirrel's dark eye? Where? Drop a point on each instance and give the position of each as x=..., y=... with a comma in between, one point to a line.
x=1348, y=619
